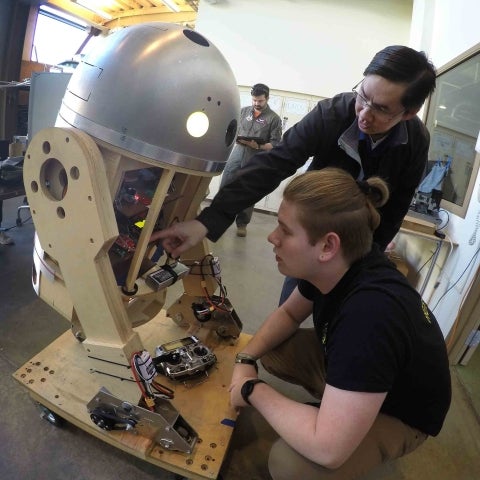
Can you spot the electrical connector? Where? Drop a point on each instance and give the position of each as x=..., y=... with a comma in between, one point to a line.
x=215, y=264
x=150, y=402
x=146, y=368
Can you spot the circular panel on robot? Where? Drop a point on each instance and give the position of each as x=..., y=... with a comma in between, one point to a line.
x=197, y=124
x=53, y=179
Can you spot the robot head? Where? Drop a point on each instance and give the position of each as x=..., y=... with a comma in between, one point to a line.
x=157, y=90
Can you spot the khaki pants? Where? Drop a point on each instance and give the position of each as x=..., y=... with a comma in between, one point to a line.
x=300, y=360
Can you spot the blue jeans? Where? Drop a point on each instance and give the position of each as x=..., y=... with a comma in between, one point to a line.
x=289, y=285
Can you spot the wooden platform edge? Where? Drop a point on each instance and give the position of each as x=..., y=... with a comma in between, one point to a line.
x=60, y=379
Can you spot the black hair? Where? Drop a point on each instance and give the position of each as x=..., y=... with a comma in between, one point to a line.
x=401, y=64
x=260, y=89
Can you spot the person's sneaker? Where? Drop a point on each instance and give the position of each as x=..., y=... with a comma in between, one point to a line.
x=5, y=239
x=241, y=230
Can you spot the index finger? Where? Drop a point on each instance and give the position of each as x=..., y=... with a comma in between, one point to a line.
x=162, y=234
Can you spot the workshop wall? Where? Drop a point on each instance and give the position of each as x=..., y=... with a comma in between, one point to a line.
x=317, y=47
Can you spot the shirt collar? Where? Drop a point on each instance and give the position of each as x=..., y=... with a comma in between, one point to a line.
x=398, y=135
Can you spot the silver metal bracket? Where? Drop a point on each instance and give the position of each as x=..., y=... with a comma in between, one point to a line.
x=165, y=425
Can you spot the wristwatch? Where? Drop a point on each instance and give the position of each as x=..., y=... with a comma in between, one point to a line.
x=247, y=359
x=247, y=388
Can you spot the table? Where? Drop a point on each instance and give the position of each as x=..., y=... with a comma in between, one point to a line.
x=11, y=191
x=432, y=262
x=59, y=378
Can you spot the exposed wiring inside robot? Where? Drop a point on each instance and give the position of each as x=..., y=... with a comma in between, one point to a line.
x=211, y=265
x=149, y=388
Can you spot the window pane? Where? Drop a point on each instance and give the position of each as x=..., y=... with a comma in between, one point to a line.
x=454, y=123
x=56, y=40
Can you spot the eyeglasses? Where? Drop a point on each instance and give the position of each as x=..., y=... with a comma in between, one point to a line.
x=379, y=111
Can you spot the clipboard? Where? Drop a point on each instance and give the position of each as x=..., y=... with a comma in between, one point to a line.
x=259, y=140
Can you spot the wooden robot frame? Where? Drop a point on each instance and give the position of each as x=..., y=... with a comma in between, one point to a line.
x=73, y=183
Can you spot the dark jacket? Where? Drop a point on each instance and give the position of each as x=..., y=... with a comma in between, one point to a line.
x=400, y=161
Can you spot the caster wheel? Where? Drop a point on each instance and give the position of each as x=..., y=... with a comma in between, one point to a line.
x=50, y=416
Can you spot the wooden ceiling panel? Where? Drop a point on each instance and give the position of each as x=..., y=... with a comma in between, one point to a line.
x=128, y=12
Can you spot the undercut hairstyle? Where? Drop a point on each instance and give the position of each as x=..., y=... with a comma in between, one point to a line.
x=331, y=200
x=401, y=64
x=260, y=89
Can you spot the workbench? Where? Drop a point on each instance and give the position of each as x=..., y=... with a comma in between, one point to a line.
x=423, y=227
x=11, y=191
x=59, y=378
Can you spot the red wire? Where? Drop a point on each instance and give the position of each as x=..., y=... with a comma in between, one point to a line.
x=145, y=394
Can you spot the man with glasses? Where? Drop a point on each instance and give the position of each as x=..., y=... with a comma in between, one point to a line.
x=373, y=130
x=260, y=129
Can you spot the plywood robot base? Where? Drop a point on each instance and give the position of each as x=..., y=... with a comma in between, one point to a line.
x=60, y=378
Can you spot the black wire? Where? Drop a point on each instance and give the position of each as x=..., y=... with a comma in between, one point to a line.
x=428, y=260
x=448, y=219
x=7, y=229
x=457, y=280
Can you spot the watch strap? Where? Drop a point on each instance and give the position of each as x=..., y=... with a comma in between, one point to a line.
x=247, y=389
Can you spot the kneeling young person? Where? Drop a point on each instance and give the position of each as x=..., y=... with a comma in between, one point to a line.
x=376, y=358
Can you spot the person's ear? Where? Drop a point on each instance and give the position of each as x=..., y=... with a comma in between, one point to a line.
x=329, y=246
x=410, y=113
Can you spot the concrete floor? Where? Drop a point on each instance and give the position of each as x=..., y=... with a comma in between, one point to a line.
x=33, y=449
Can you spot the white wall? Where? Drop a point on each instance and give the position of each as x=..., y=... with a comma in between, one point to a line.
x=319, y=47
x=445, y=28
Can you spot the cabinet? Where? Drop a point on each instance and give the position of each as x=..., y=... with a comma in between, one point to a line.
x=269, y=203
x=291, y=107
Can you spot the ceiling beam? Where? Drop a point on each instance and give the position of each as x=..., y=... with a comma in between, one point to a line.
x=125, y=21
x=77, y=11
x=128, y=12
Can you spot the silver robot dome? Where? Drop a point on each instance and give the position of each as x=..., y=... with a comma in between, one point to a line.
x=158, y=90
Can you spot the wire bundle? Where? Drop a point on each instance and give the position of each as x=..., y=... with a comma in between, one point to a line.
x=144, y=373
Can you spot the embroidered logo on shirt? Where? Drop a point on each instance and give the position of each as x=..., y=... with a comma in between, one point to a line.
x=425, y=312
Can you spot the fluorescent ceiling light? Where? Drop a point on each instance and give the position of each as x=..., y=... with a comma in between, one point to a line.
x=171, y=5
x=93, y=7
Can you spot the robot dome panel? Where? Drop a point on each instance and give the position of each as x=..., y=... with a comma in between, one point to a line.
x=158, y=90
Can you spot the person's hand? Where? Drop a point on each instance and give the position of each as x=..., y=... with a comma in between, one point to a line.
x=250, y=143
x=181, y=236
